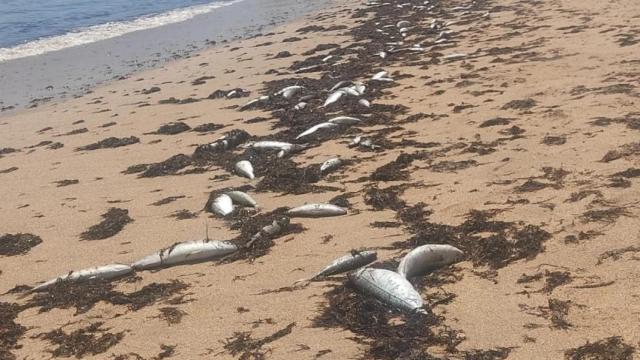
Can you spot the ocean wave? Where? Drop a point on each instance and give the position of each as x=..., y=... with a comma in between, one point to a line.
x=106, y=31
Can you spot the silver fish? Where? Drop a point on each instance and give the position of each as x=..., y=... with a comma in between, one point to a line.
x=364, y=102
x=242, y=198
x=222, y=205
x=300, y=106
x=389, y=287
x=254, y=102
x=244, y=168
x=275, y=228
x=429, y=257
x=330, y=165
x=317, y=210
x=290, y=91
x=283, y=147
x=311, y=130
x=335, y=96
x=403, y=23
x=106, y=272
x=341, y=84
x=186, y=253
x=351, y=261
x=382, y=76
x=345, y=120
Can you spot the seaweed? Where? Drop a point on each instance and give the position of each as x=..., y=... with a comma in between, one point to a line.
x=612, y=348
x=497, y=121
x=62, y=183
x=625, y=150
x=173, y=128
x=170, y=166
x=492, y=354
x=519, y=104
x=89, y=340
x=241, y=343
x=559, y=310
x=111, y=142
x=208, y=127
x=184, y=214
x=393, y=171
x=171, y=315
x=387, y=198
x=167, y=200
x=617, y=253
x=113, y=222
x=18, y=244
x=10, y=331
x=453, y=166
x=554, y=140
x=607, y=216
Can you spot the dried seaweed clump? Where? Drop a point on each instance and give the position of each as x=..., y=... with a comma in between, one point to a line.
x=612, y=348
x=18, y=244
x=624, y=151
x=111, y=142
x=173, y=128
x=10, y=331
x=387, y=198
x=241, y=343
x=91, y=340
x=394, y=170
x=387, y=335
x=492, y=354
x=519, y=104
x=113, y=222
x=83, y=296
x=484, y=241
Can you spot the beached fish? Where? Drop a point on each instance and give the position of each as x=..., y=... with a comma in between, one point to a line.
x=283, y=147
x=335, y=96
x=106, y=272
x=341, y=84
x=242, y=198
x=364, y=102
x=425, y=258
x=382, y=76
x=222, y=205
x=186, y=253
x=330, y=165
x=290, y=91
x=300, y=106
x=351, y=261
x=345, y=120
x=382, y=54
x=327, y=58
x=244, y=168
x=350, y=91
x=311, y=130
x=229, y=141
x=389, y=287
x=317, y=210
x=455, y=56
x=271, y=230
x=403, y=23
x=254, y=102
x=359, y=87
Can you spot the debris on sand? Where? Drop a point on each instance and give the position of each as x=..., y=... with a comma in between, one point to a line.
x=616, y=254
x=173, y=128
x=18, y=244
x=10, y=331
x=170, y=166
x=519, y=104
x=625, y=150
x=395, y=170
x=167, y=200
x=84, y=296
x=554, y=140
x=9, y=170
x=387, y=198
x=607, y=216
x=241, y=343
x=208, y=127
x=184, y=214
x=612, y=348
x=112, y=142
x=113, y=222
x=497, y=121
x=452, y=166
x=172, y=315
x=559, y=310
x=493, y=354
x=62, y=183
x=91, y=340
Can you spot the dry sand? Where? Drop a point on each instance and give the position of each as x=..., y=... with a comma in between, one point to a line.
x=561, y=76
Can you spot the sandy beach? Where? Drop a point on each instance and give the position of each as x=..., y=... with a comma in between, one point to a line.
x=508, y=129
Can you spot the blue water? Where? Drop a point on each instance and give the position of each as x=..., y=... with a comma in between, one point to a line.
x=22, y=21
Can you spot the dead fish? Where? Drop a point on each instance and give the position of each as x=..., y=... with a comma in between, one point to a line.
x=382, y=54
x=364, y=102
x=327, y=58
x=222, y=205
x=275, y=228
x=106, y=272
x=359, y=87
x=317, y=210
x=335, y=96
x=254, y=102
x=456, y=56
x=389, y=287
x=403, y=23
x=351, y=261
x=244, y=168
x=290, y=91
x=382, y=76
x=341, y=84
x=330, y=165
x=283, y=147
x=242, y=198
x=429, y=257
x=345, y=120
x=350, y=91
x=311, y=130
x=229, y=141
x=186, y=253
x=301, y=105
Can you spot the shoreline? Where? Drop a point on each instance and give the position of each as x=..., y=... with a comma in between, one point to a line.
x=75, y=71
x=506, y=129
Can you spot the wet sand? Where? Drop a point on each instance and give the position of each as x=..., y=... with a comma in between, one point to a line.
x=522, y=152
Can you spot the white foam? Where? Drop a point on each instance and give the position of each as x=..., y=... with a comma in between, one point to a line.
x=106, y=31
